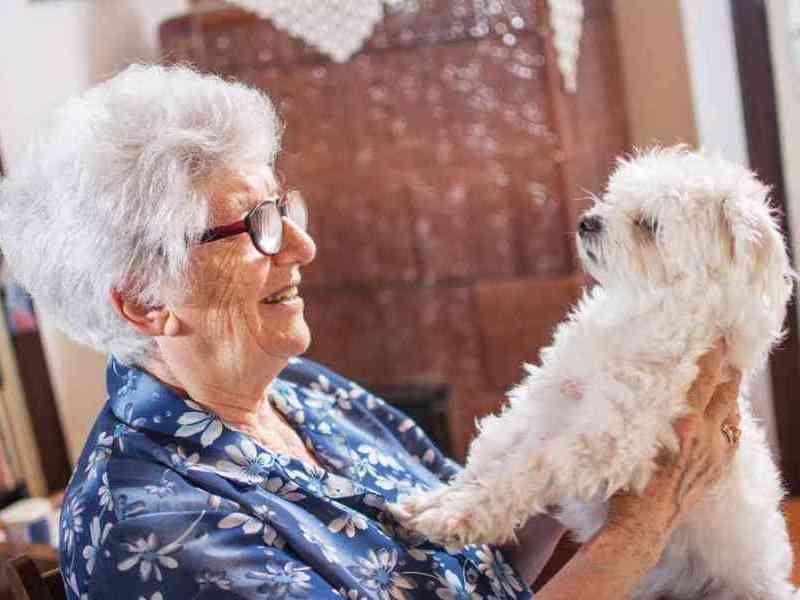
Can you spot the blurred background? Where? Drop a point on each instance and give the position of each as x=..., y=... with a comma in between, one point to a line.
x=446, y=154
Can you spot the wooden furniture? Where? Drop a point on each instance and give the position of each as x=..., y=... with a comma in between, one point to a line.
x=44, y=557
x=445, y=167
x=791, y=510
x=28, y=583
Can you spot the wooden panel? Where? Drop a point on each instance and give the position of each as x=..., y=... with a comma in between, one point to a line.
x=312, y=102
x=430, y=334
x=429, y=226
x=517, y=318
x=346, y=326
x=470, y=401
x=543, y=233
x=45, y=557
x=495, y=99
x=408, y=335
x=363, y=229
x=791, y=510
x=443, y=106
x=599, y=105
x=462, y=225
x=398, y=110
x=586, y=173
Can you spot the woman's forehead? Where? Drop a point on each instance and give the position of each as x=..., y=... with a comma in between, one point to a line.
x=239, y=192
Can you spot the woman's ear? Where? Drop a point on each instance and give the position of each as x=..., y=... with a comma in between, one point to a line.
x=149, y=320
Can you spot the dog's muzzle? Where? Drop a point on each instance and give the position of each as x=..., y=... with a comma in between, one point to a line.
x=589, y=226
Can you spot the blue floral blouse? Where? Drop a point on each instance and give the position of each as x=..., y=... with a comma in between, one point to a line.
x=169, y=503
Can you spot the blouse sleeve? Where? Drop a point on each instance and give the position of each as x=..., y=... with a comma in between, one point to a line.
x=206, y=554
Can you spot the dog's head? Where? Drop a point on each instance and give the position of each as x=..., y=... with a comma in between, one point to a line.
x=678, y=220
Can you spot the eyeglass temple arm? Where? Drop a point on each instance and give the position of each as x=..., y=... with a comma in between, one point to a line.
x=223, y=231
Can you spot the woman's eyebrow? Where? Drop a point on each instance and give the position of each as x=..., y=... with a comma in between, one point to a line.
x=246, y=200
x=247, y=197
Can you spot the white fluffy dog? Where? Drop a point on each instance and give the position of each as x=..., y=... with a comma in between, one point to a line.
x=686, y=251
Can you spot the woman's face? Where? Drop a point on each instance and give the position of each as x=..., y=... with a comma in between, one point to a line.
x=225, y=316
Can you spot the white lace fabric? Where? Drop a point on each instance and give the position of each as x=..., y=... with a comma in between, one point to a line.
x=566, y=21
x=338, y=28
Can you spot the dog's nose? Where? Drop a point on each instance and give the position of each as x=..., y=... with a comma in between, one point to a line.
x=589, y=225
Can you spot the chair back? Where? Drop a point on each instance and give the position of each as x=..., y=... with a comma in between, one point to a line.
x=28, y=583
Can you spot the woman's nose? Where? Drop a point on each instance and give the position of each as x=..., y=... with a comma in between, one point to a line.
x=298, y=247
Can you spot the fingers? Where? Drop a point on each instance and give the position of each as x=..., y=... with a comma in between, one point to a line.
x=688, y=429
x=734, y=419
x=703, y=387
x=723, y=404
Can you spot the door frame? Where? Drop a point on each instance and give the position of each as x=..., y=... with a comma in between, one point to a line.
x=759, y=102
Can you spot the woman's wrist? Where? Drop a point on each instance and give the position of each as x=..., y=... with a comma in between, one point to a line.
x=645, y=520
x=646, y=540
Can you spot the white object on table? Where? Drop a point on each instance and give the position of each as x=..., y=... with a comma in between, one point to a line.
x=30, y=521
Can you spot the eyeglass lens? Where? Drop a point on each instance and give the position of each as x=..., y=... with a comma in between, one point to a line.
x=296, y=209
x=267, y=226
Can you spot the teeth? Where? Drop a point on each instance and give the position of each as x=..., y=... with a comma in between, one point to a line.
x=283, y=295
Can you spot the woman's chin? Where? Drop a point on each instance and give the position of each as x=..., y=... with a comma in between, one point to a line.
x=302, y=340
x=287, y=342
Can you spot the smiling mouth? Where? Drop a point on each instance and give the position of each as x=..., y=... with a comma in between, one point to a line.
x=284, y=295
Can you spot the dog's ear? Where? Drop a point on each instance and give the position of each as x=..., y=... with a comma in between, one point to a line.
x=772, y=273
x=727, y=234
x=751, y=238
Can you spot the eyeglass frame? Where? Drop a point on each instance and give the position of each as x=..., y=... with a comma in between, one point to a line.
x=222, y=232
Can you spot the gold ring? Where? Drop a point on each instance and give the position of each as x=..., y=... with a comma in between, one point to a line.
x=731, y=433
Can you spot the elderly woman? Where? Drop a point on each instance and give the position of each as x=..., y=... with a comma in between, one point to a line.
x=148, y=223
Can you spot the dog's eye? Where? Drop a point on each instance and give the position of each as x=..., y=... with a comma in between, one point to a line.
x=648, y=225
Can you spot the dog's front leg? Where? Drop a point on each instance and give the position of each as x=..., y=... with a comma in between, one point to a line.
x=531, y=457
x=507, y=479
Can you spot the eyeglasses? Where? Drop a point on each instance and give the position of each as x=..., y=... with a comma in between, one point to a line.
x=264, y=223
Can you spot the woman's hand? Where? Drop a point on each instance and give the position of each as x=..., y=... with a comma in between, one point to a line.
x=630, y=543
x=683, y=478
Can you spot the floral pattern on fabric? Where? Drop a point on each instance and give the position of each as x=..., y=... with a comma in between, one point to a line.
x=167, y=502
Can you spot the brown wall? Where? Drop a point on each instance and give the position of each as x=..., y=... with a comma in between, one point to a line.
x=655, y=71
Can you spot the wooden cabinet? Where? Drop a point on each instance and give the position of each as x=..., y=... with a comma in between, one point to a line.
x=445, y=167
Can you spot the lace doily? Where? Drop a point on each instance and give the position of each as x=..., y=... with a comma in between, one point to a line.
x=338, y=29
x=566, y=21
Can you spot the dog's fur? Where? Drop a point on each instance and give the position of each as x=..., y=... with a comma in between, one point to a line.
x=688, y=253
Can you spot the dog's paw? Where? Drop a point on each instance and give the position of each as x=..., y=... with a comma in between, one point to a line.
x=445, y=516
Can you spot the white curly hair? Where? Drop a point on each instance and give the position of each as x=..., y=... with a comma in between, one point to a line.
x=110, y=194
